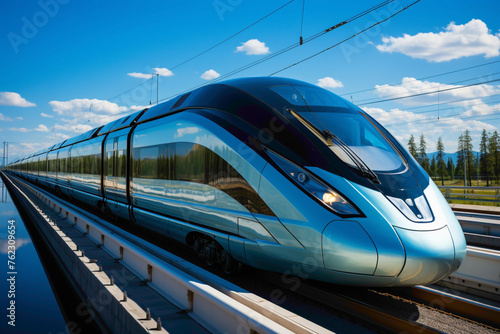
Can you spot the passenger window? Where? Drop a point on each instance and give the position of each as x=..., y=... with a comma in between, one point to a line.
x=110, y=163
x=195, y=163
x=121, y=168
x=146, y=162
x=190, y=162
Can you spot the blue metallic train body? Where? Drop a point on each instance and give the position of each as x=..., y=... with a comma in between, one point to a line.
x=271, y=172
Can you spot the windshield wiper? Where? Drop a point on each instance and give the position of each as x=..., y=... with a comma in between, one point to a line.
x=362, y=167
x=328, y=137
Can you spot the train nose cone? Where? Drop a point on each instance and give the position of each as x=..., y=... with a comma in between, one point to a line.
x=430, y=255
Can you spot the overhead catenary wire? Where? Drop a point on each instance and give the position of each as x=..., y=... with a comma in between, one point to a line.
x=359, y=102
x=374, y=114
x=427, y=77
x=427, y=93
x=493, y=105
x=307, y=40
x=343, y=41
x=293, y=46
x=443, y=120
x=205, y=51
x=230, y=37
x=286, y=49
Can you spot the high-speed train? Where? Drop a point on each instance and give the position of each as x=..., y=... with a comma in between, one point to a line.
x=274, y=173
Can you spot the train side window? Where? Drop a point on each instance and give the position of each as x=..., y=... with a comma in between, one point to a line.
x=146, y=162
x=221, y=175
x=115, y=161
x=121, y=156
x=163, y=165
x=121, y=161
x=195, y=163
x=75, y=164
x=62, y=165
x=190, y=162
x=110, y=162
x=95, y=164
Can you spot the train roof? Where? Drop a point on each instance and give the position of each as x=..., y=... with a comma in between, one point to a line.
x=207, y=96
x=257, y=83
x=121, y=123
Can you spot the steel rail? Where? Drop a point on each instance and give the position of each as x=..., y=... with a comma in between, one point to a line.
x=359, y=310
x=467, y=308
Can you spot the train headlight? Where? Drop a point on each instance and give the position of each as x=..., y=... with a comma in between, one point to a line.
x=315, y=187
x=331, y=198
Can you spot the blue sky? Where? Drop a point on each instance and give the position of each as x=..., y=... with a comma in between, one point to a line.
x=68, y=66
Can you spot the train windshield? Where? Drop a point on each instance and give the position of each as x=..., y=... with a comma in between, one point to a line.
x=346, y=130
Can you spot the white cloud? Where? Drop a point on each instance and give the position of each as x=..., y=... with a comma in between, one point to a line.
x=140, y=75
x=23, y=149
x=482, y=109
x=19, y=129
x=210, y=75
x=19, y=118
x=73, y=129
x=45, y=115
x=77, y=116
x=41, y=128
x=163, y=72
x=14, y=99
x=456, y=41
x=329, y=82
x=253, y=47
x=78, y=106
x=5, y=118
x=411, y=86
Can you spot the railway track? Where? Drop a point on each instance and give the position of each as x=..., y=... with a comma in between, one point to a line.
x=384, y=310
x=408, y=310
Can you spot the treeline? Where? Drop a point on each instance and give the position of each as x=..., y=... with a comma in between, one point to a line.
x=484, y=165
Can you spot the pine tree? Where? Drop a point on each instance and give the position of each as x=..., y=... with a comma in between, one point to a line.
x=433, y=167
x=412, y=147
x=423, y=159
x=441, y=165
x=493, y=159
x=451, y=168
x=483, y=158
x=466, y=156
